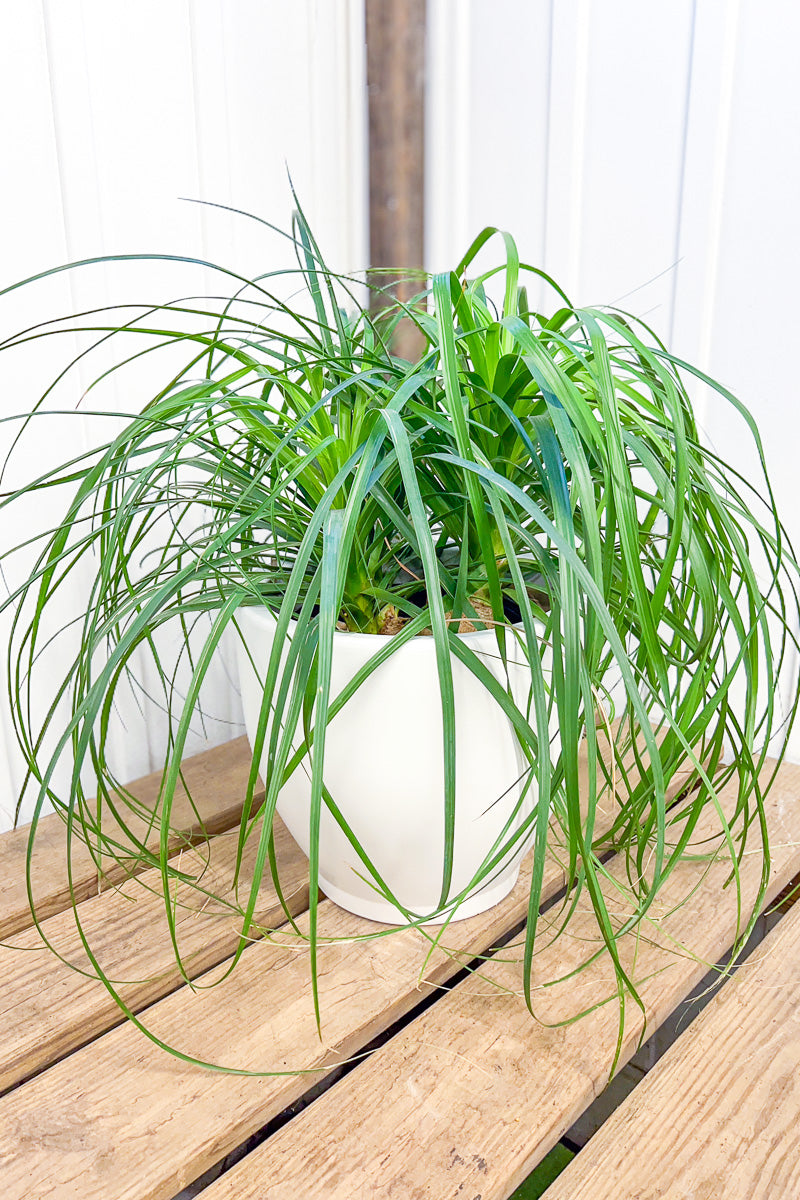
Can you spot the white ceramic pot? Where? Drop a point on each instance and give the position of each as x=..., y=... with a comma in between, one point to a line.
x=384, y=768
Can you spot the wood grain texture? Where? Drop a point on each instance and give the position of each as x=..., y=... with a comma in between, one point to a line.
x=719, y=1115
x=217, y=780
x=395, y=32
x=471, y=1095
x=47, y=1008
x=81, y=1128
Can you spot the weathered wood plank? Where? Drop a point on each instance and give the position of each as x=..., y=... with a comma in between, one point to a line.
x=48, y=1009
x=471, y=1095
x=134, y=1101
x=217, y=780
x=719, y=1115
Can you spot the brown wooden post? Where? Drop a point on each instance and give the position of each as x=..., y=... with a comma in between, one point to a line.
x=395, y=34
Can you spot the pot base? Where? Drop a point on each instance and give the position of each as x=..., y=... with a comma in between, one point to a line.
x=380, y=910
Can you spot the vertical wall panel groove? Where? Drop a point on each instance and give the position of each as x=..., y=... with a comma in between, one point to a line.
x=547, y=121
x=716, y=198
x=578, y=144
x=682, y=175
x=447, y=132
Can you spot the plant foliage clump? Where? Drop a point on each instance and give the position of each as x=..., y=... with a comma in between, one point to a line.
x=526, y=470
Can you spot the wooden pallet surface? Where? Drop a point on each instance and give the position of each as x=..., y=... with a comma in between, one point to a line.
x=469, y=1097
x=79, y=1127
x=47, y=1008
x=216, y=780
x=718, y=1115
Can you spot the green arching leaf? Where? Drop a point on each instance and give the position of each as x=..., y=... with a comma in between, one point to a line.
x=441, y=639
x=548, y=465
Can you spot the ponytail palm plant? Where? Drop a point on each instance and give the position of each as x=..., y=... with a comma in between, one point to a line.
x=539, y=475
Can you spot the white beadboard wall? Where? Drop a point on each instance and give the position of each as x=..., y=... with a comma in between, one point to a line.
x=646, y=155
x=643, y=153
x=111, y=112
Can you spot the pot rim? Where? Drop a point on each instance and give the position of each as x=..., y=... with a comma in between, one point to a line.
x=263, y=614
